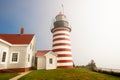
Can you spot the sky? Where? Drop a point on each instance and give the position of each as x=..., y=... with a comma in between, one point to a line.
x=95, y=26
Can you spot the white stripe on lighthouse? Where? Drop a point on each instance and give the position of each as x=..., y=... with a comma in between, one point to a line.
x=57, y=47
x=64, y=52
x=58, y=32
x=61, y=37
x=61, y=41
x=64, y=58
x=65, y=64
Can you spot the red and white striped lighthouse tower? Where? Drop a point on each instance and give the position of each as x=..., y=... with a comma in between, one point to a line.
x=61, y=42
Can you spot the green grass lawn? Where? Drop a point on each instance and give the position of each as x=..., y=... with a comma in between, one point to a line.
x=7, y=76
x=67, y=74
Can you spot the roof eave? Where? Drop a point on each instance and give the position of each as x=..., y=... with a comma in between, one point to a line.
x=13, y=44
x=5, y=42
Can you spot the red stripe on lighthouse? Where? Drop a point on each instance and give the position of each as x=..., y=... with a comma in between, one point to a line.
x=61, y=39
x=64, y=61
x=61, y=29
x=59, y=34
x=60, y=44
x=64, y=55
x=61, y=49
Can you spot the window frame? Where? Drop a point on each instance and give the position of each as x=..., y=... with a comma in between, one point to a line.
x=12, y=57
x=30, y=46
x=5, y=57
x=50, y=60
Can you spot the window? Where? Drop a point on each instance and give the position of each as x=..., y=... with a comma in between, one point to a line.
x=31, y=46
x=4, y=56
x=28, y=57
x=50, y=60
x=14, y=57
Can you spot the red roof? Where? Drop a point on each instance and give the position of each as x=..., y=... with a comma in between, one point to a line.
x=42, y=52
x=17, y=38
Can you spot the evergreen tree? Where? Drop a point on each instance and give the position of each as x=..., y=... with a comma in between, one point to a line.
x=91, y=65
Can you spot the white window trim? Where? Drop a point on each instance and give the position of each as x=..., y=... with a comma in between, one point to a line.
x=29, y=56
x=5, y=58
x=11, y=57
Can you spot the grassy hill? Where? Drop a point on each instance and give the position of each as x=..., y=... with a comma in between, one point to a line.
x=7, y=76
x=67, y=74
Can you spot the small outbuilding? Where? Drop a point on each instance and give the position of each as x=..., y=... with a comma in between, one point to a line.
x=46, y=59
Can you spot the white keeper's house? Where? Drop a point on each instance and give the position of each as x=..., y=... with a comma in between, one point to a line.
x=17, y=52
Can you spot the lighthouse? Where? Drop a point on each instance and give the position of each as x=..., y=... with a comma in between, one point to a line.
x=61, y=42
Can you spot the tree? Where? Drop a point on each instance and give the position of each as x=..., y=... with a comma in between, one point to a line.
x=91, y=65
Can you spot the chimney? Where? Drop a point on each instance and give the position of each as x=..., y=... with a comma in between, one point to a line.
x=22, y=31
